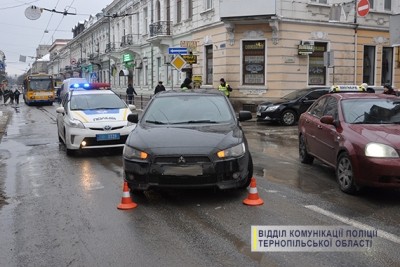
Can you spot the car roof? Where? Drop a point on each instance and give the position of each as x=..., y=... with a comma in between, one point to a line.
x=91, y=92
x=179, y=92
x=363, y=95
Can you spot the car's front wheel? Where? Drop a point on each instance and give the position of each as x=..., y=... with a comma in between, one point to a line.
x=250, y=173
x=288, y=117
x=344, y=174
x=303, y=154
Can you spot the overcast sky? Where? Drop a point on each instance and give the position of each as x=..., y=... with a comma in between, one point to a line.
x=21, y=36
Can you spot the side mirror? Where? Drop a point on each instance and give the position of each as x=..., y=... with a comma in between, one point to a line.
x=244, y=115
x=133, y=117
x=60, y=110
x=328, y=119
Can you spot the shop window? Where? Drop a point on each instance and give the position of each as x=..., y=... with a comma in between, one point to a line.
x=369, y=65
x=209, y=64
x=253, y=64
x=387, y=65
x=316, y=67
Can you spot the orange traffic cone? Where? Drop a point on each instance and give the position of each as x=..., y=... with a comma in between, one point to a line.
x=126, y=202
x=253, y=199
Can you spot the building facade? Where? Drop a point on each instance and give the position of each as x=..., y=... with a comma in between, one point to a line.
x=265, y=49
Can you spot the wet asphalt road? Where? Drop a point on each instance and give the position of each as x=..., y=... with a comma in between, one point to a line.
x=61, y=211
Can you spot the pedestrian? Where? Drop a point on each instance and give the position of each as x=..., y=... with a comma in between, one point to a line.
x=388, y=90
x=11, y=95
x=130, y=92
x=160, y=87
x=16, y=96
x=224, y=87
x=1, y=93
x=187, y=84
x=6, y=95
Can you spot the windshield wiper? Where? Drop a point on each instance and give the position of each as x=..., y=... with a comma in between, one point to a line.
x=197, y=121
x=156, y=122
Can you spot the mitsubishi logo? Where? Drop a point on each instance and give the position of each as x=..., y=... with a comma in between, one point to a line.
x=107, y=128
x=181, y=160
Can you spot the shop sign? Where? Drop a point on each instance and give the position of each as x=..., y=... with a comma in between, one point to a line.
x=127, y=58
x=305, y=49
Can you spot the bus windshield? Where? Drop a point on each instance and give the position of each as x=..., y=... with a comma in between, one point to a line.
x=41, y=84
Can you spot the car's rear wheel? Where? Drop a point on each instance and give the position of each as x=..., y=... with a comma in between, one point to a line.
x=344, y=174
x=288, y=117
x=304, y=156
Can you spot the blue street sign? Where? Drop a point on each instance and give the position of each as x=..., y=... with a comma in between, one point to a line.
x=177, y=50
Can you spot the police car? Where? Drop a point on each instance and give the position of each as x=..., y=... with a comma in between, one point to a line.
x=90, y=117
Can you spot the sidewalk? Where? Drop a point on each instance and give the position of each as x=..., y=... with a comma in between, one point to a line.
x=5, y=113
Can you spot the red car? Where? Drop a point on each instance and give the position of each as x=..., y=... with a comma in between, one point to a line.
x=356, y=133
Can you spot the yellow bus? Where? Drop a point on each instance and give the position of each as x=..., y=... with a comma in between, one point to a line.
x=39, y=89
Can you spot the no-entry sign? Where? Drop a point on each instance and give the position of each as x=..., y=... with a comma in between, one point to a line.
x=363, y=8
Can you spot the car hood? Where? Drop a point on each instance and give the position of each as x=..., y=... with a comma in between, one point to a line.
x=190, y=140
x=100, y=115
x=276, y=101
x=386, y=134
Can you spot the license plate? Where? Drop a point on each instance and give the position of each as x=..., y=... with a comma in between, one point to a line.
x=193, y=170
x=105, y=137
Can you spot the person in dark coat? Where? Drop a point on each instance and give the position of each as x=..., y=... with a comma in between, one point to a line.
x=160, y=87
x=388, y=90
x=130, y=92
x=6, y=95
x=186, y=84
x=16, y=96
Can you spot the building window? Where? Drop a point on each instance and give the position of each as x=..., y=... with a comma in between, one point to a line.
x=208, y=4
x=388, y=5
x=371, y=4
x=253, y=64
x=316, y=67
x=320, y=1
x=158, y=10
x=387, y=65
x=209, y=64
x=178, y=11
x=190, y=8
x=145, y=21
x=369, y=65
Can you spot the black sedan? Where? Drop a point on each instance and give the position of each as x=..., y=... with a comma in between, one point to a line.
x=287, y=109
x=188, y=139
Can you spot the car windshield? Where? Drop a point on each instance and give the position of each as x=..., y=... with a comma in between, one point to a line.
x=188, y=109
x=296, y=94
x=96, y=101
x=371, y=111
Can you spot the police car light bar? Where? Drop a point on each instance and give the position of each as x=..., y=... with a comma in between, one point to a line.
x=347, y=89
x=80, y=85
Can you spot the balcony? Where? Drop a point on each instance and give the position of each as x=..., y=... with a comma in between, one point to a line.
x=110, y=47
x=160, y=33
x=127, y=40
x=160, y=28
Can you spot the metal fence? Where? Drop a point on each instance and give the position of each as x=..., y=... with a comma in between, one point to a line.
x=140, y=101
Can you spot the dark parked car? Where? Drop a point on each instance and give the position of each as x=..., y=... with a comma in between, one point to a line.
x=188, y=139
x=358, y=134
x=287, y=109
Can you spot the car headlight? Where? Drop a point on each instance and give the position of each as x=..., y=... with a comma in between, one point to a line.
x=76, y=124
x=131, y=153
x=377, y=150
x=272, y=108
x=233, y=152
